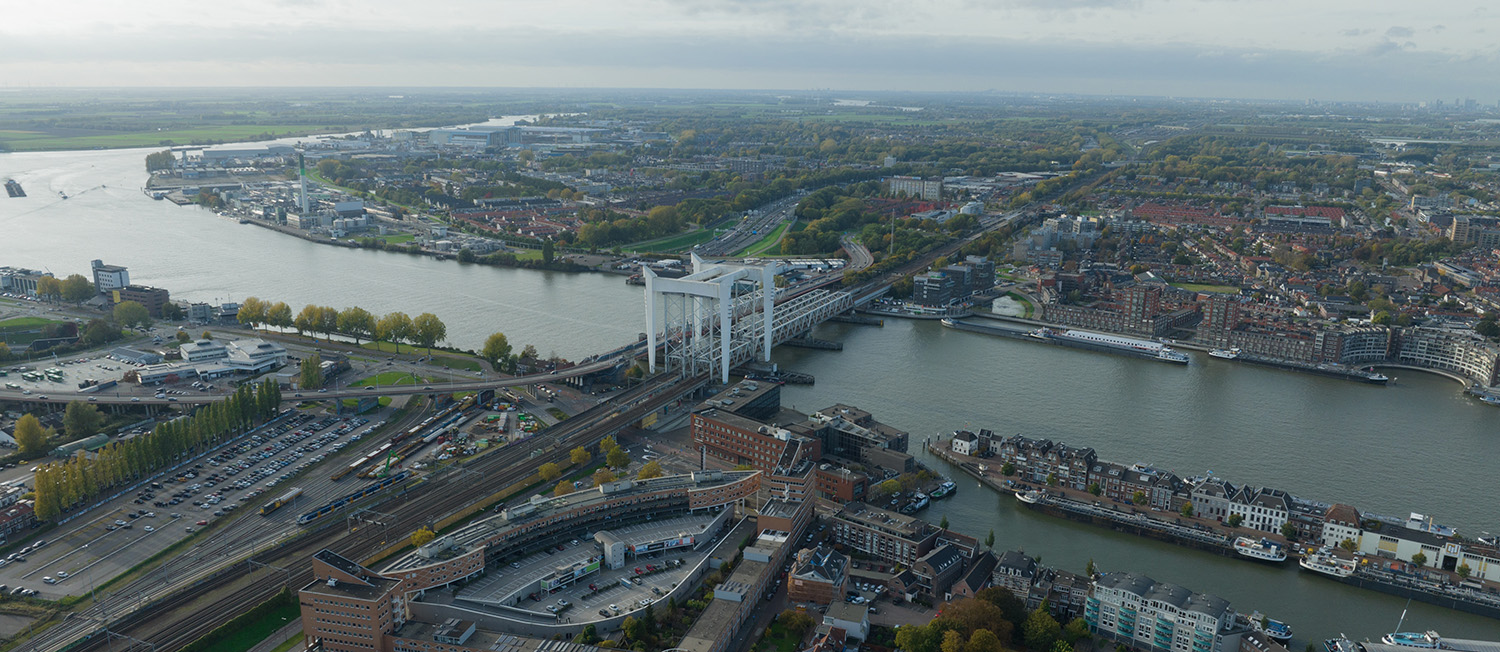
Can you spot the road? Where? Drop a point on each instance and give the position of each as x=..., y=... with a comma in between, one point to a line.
x=750, y=230
x=9, y=394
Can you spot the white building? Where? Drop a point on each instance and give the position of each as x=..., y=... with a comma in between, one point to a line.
x=200, y=350
x=1385, y=540
x=854, y=619
x=928, y=189
x=1264, y=509
x=1149, y=615
x=109, y=277
x=965, y=442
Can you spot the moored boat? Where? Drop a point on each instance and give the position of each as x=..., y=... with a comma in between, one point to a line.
x=947, y=488
x=1225, y=354
x=1261, y=549
x=1327, y=563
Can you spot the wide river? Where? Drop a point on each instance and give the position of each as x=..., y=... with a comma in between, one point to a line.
x=1415, y=445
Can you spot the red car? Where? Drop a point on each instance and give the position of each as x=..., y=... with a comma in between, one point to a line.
x=637, y=570
x=202, y=522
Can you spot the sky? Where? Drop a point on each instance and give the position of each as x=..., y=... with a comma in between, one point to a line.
x=1273, y=49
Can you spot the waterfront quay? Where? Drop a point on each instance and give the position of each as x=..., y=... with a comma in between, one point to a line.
x=1392, y=561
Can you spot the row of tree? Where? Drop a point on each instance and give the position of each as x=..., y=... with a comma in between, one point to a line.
x=425, y=330
x=82, y=479
x=992, y=621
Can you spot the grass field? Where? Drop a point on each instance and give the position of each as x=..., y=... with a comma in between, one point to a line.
x=1202, y=287
x=23, y=330
x=389, y=378
x=289, y=644
x=1030, y=309
x=22, y=141
x=438, y=358
x=778, y=639
x=766, y=244
x=677, y=242
x=244, y=638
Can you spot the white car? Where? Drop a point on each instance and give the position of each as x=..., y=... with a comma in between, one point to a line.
x=150, y=529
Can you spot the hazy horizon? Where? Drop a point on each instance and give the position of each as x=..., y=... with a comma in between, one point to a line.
x=1271, y=49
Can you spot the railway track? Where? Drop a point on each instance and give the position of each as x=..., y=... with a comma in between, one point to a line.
x=162, y=626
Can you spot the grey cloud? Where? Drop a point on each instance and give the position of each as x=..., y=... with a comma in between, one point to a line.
x=1400, y=32
x=475, y=57
x=1356, y=32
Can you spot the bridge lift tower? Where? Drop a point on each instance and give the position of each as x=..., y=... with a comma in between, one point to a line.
x=711, y=320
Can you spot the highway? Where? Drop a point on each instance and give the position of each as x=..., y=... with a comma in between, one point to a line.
x=348, y=392
x=750, y=230
x=163, y=607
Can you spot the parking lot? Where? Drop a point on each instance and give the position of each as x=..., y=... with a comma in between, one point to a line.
x=237, y=478
x=640, y=582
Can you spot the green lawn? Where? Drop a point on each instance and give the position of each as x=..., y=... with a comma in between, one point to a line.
x=467, y=364
x=677, y=242
x=1030, y=309
x=23, y=330
x=389, y=378
x=1202, y=287
x=777, y=639
x=294, y=641
x=766, y=244
x=244, y=638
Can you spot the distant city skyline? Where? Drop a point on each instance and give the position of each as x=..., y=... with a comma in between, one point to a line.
x=1273, y=49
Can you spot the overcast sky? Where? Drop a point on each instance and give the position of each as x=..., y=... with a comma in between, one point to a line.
x=1291, y=49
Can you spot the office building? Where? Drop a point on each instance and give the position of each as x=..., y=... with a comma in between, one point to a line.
x=109, y=277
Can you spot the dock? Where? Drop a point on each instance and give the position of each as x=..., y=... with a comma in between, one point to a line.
x=814, y=343
x=770, y=373
x=13, y=188
x=853, y=318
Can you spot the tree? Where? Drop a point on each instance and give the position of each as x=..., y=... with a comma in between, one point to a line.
x=82, y=420
x=306, y=320
x=394, y=328
x=1187, y=509
x=983, y=640
x=356, y=322
x=1090, y=569
x=207, y=335
x=183, y=337
x=1419, y=559
x=989, y=539
x=887, y=488
x=608, y=443
x=919, y=638
x=1075, y=631
x=1011, y=607
x=579, y=455
x=422, y=537
x=968, y=615
x=328, y=320
x=99, y=332
x=252, y=312
x=588, y=636
x=1235, y=520
x=1008, y=469
x=312, y=372
x=562, y=489
x=943, y=524
x=1488, y=327
x=617, y=458
x=602, y=477
x=953, y=641
x=1060, y=645
x=547, y=253
x=77, y=289
x=1095, y=489
x=548, y=472
x=1138, y=498
x=496, y=350
x=1349, y=545
x=132, y=314
x=1381, y=318
x=279, y=315
x=172, y=312
x=428, y=330
x=1052, y=479
x=49, y=287
x=1289, y=531
x=1041, y=629
x=29, y=434
x=634, y=629
x=1463, y=570
x=652, y=469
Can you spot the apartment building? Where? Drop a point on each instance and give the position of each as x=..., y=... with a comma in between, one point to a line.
x=1144, y=614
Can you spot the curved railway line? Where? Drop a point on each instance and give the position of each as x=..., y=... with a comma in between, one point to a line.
x=163, y=626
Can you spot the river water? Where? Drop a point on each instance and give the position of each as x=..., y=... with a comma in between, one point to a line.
x=1415, y=445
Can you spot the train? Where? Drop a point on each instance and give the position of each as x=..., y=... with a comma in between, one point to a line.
x=350, y=498
x=282, y=500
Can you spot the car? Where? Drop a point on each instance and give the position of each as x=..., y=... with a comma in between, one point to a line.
x=188, y=529
x=614, y=608
x=93, y=398
x=119, y=522
x=150, y=529
x=135, y=399
x=202, y=523
x=369, y=387
x=62, y=575
x=551, y=607
x=562, y=603
x=48, y=580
